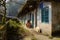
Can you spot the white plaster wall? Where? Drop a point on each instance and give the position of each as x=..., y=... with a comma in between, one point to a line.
x=45, y=27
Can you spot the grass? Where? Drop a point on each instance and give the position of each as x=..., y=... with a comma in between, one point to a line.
x=50, y=37
x=33, y=38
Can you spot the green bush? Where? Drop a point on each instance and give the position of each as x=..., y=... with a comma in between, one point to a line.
x=12, y=30
x=15, y=30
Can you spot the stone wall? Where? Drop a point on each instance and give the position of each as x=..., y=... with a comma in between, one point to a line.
x=55, y=16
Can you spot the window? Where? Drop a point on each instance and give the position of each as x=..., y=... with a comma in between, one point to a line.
x=45, y=15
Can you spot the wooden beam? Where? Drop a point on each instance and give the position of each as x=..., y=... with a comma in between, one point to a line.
x=26, y=8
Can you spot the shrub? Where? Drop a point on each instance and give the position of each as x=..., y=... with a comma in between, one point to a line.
x=15, y=30
x=12, y=28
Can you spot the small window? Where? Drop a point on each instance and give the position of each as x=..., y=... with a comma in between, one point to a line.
x=45, y=15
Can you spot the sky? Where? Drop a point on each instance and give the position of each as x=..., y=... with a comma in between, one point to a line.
x=7, y=0
x=20, y=1
x=14, y=7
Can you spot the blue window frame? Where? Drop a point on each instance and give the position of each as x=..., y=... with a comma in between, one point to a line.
x=45, y=15
x=32, y=19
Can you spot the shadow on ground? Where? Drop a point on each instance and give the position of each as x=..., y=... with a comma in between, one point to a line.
x=56, y=34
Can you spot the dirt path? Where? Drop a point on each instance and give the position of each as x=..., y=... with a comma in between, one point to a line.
x=39, y=36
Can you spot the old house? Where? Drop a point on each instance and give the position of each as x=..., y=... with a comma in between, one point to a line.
x=44, y=15
x=48, y=16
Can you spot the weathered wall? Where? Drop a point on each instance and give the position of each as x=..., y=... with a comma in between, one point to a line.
x=55, y=16
x=25, y=18
x=45, y=27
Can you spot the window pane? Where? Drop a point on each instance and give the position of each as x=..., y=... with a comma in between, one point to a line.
x=45, y=14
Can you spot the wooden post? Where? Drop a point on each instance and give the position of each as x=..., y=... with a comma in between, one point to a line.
x=35, y=18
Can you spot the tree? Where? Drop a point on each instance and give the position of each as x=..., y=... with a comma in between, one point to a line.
x=3, y=3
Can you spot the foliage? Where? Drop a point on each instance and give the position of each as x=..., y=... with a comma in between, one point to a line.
x=11, y=30
x=50, y=37
x=15, y=30
x=33, y=38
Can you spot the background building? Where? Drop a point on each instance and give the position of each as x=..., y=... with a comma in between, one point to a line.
x=45, y=17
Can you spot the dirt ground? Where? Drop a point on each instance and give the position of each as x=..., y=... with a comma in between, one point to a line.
x=39, y=36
